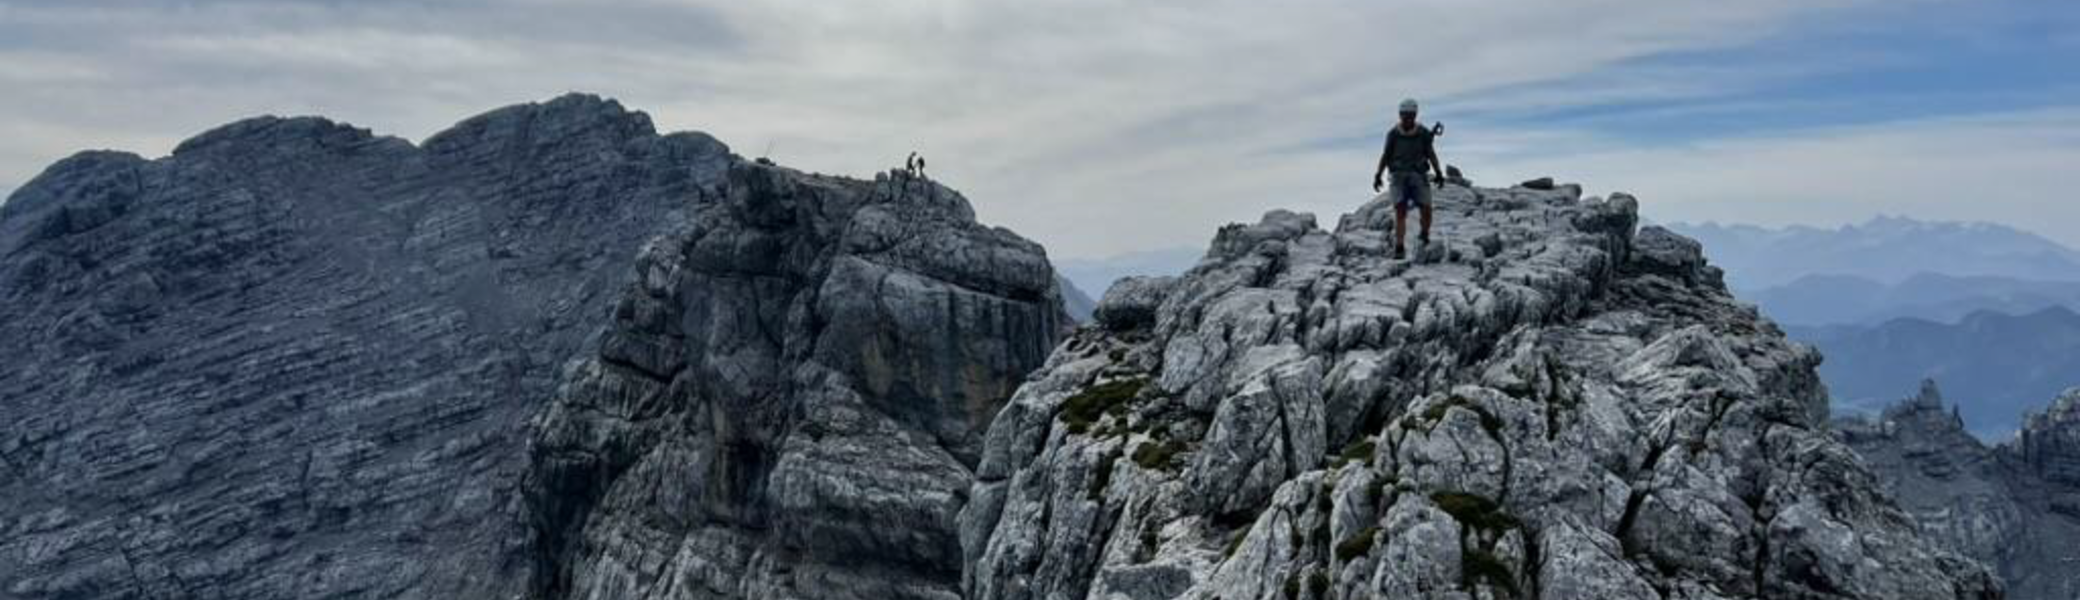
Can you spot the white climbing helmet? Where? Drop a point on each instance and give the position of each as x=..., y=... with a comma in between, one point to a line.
x=1409, y=105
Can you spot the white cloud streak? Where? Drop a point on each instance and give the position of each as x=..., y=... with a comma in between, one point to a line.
x=2010, y=168
x=1094, y=126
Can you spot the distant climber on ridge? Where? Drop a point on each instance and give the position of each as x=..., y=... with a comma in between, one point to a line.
x=914, y=165
x=1410, y=150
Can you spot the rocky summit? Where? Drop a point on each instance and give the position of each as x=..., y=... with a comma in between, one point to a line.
x=1547, y=402
x=550, y=353
x=2015, y=506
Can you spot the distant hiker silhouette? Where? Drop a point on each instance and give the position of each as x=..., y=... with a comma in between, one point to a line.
x=914, y=165
x=1410, y=150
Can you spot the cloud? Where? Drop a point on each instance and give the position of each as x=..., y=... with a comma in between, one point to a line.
x=1094, y=126
x=2010, y=167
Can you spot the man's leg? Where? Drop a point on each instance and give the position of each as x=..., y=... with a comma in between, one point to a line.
x=1426, y=222
x=1400, y=225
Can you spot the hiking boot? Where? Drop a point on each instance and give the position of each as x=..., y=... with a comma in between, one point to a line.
x=1400, y=252
x=1423, y=237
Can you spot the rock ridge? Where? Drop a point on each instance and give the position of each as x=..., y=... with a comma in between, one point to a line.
x=790, y=399
x=1548, y=402
x=295, y=358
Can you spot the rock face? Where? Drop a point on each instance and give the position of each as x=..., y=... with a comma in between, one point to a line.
x=294, y=359
x=1544, y=403
x=791, y=398
x=2011, y=506
x=298, y=360
x=2050, y=441
x=552, y=354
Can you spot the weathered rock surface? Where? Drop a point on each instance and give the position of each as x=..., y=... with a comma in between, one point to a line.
x=2006, y=505
x=2050, y=440
x=298, y=360
x=1544, y=403
x=293, y=359
x=550, y=353
x=791, y=398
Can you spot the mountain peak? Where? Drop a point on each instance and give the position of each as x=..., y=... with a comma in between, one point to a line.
x=278, y=137
x=1542, y=380
x=551, y=122
x=1928, y=396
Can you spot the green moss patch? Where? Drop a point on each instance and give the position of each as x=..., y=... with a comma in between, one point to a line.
x=1377, y=488
x=1360, y=450
x=1084, y=409
x=1474, y=511
x=1158, y=456
x=1480, y=566
x=1435, y=414
x=1358, y=545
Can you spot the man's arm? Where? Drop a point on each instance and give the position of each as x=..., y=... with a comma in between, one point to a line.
x=1383, y=154
x=1436, y=164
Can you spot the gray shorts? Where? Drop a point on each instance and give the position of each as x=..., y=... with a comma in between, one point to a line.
x=1409, y=188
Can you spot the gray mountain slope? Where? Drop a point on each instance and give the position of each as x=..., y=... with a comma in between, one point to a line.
x=1544, y=404
x=551, y=354
x=2014, y=506
x=293, y=359
x=297, y=360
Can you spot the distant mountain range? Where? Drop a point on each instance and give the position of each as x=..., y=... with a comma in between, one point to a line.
x=1988, y=310
x=1078, y=303
x=2004, y=364
x=1887, y=250
x=1815, y=300
x=1095, y=275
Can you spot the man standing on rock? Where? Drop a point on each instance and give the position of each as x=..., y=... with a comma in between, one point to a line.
x=1410, y=150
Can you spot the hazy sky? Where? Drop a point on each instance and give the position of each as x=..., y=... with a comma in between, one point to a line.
x=1100, y=127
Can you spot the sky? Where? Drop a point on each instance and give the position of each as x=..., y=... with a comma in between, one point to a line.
x=1104, y=127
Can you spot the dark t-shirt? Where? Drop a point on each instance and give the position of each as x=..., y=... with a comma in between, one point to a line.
x=1408, y=151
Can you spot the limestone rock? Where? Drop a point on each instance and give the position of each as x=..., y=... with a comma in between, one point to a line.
x=790, y=397
x=1132, y=302
x=1547, y=404
x=550, y=353
x=295, y=359
x=2050, y=441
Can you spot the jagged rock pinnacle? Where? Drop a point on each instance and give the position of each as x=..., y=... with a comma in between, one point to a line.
x=2004, y=505
x=790, y=398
